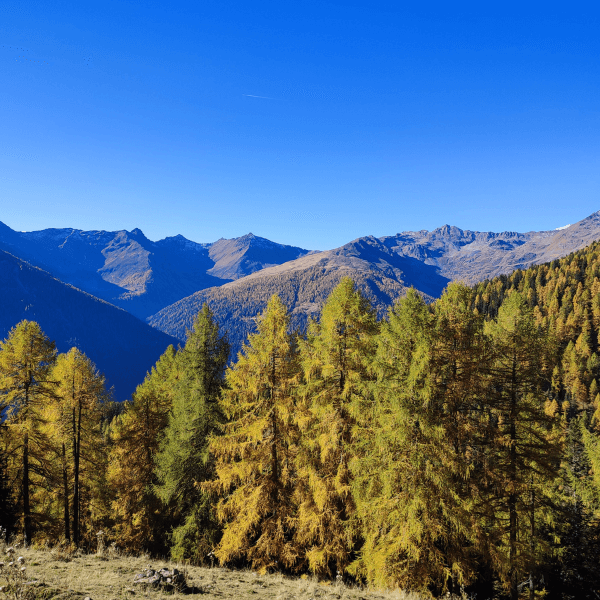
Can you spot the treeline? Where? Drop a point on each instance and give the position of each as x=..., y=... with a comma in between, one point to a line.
x=448, y=447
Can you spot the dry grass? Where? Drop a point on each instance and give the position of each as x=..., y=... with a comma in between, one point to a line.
x=55, y=574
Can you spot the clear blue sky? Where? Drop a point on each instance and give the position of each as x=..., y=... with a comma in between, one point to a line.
x=309, y=123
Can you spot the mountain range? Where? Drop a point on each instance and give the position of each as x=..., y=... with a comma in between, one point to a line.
x=382, y=267
x=165, y=283
x=128, y=270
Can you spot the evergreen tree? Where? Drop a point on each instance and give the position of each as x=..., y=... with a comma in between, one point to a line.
x=572, y=573
x=26, y=356
x=336, y=404
x=460, y=359
x=414, y=473
x=183, y=459
x=589, y=484
x=255, y=453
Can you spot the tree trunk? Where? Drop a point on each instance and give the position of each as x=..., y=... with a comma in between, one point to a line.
x=532, y=548
x=26, y=506
x=66, y=494
x=274, y=465
x=512, y=498
x=76, y=455
x=77, y=494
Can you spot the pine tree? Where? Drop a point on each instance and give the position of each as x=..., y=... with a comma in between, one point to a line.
x=336, y=403
x=26, y=356
x=255, y=453
x=183, y=459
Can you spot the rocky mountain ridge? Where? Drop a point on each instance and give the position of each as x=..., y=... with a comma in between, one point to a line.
x=137, y=274
x=166, y=282
x=383, y=267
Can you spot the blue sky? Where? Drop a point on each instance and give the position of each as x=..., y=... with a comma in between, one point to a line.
x=309, y=123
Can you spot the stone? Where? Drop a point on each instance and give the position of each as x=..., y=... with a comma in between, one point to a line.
x=166, y=578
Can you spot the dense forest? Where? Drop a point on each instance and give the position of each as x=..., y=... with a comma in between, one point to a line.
x=451, y=447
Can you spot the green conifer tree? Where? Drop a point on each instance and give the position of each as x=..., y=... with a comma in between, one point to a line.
x=414, y=475
x=527, y=448
x=183, y=458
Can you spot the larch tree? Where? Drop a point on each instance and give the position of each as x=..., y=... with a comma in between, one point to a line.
x=525, y=457
x=254, y=455
x=336, y=405
x=461, y=356
x=412, y=471
x=183, y=460
x=74, y=423
x=135, y=437
x=589, y=485
x=26, y=357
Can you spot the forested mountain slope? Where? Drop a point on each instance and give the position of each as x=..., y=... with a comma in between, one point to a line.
x=565, y=297
x=302, y=285
x=122, y=347
x=485, y=401
x=129, y=270
x=382, y=267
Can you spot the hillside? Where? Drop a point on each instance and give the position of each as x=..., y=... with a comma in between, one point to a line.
x=565, y=297
x=166, y=282
x=382, y=267
x=122, y=347
x=74, y=576
x=303, y=284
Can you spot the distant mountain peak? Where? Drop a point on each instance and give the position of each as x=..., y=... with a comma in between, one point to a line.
x=249, y=237
x=182, y=242
x=448, y=231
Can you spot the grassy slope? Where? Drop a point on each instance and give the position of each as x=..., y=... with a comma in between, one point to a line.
x=110, y=577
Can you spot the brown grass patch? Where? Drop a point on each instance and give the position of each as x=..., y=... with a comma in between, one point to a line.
x=60, y=575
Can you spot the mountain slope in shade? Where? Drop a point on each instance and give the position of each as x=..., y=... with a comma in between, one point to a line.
x=382, y=267
x=129, y=270
x=122, y=347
